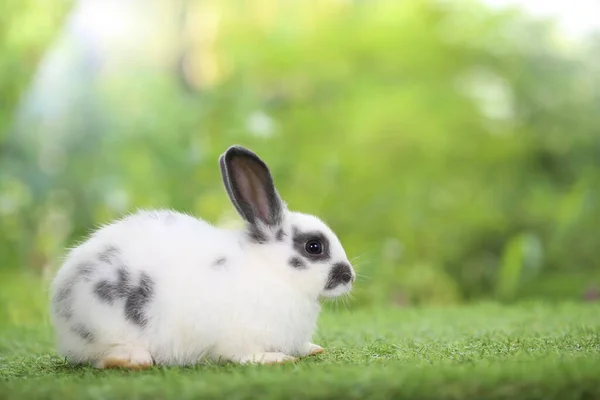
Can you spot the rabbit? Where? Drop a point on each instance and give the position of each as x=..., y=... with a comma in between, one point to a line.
x=161, y=287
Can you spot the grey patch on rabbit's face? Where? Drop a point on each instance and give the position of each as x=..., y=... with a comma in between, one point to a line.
x=301, y=238
x=137, y=300
x=83, y=332
x=280, y=235
x=110, y=291
x=297, y=262
x=340, y=274
x=109, y=255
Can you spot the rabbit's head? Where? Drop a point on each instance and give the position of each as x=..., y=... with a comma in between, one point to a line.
x=297, y=247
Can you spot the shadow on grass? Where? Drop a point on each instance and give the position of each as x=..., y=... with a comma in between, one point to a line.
x=51, y=364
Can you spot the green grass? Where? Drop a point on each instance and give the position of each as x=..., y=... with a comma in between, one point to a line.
x=534, y=351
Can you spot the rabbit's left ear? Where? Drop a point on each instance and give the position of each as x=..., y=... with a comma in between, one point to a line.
x=250, y=186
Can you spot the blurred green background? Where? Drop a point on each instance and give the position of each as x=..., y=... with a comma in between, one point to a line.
x=453, y=147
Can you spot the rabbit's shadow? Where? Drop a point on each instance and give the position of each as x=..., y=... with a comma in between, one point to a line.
x=63, y=367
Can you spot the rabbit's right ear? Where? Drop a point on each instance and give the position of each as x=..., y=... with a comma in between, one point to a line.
x=250, y=186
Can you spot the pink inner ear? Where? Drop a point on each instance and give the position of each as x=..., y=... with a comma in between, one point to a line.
x=252, y=188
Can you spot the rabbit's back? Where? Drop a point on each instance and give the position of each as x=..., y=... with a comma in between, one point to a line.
x=138, y=280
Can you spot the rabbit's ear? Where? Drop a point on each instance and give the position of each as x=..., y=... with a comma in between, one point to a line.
x=250, y=186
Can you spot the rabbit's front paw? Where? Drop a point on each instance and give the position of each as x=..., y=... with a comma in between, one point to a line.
x=314, y=349
x=310, y=349
x=267, y=358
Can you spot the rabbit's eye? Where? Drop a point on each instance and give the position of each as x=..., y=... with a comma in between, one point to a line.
x=314, y=246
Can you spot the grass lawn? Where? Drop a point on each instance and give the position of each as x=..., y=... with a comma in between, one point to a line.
x=487, y=351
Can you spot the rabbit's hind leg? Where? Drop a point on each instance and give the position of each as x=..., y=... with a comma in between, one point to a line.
x=127, y=357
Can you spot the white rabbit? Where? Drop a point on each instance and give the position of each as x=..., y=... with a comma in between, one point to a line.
x=162, y=287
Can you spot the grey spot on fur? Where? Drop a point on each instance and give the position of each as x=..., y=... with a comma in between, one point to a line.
x=340, y=274
x=85, y=271
x=123, y=282
x=297, y=262
x=137, y=299
x=110, y=291
x=219, y=264
x=256, y=235
x=280, y=235
x=301, y=238
x=83, y=332
x=105, y=291
x=109, y=255
x=219, y=261
x=62, y=301
x=63, y=293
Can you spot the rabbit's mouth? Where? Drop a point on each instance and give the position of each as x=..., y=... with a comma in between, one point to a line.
x=339, y=290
